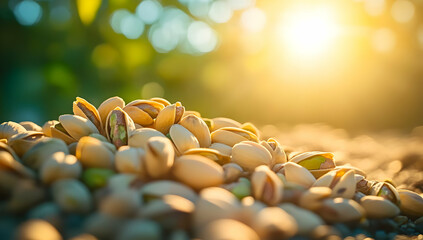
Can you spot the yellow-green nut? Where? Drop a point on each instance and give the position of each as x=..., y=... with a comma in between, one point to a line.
x=318, y=163
x=96, y=177
x=387, y=191
x=119, y=126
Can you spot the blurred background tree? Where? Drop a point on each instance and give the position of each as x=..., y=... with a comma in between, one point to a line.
x=352, y=64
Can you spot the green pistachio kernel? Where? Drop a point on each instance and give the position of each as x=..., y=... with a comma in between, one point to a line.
x=242, y=189
x=313, y=163
x=96, y=177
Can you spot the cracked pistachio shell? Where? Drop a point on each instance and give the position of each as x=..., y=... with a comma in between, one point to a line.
x=159, y=156
x=182, y=138
x=222, y=148
x=158, y=189
x=31, y=126
x=37, y=229
x=10, y=162
x=130, y=160
x=8, y=129
x=342, y=182
x=22, y=142
x=313, y=198
x=218, y=229
x=58, y=131
x=60, y=166
x=318, y=163
x=209, y=153
x=119, y=127
x=93, y=153
x=266, y=185
x=273, y=221
x=232, y=172
x=42, y=151
x=249, y=155
x=170, y=115
x=231, y=136
x=250, y=127
x=121, y=203
x=107, y=106
x=83, y=108
x=143, y=112
x=198, y=128
x=278, y=154
x=411, y=203
x=197, y=171
x=378, y=207
x=161, y=100
x=221, y=122
x=47, y=127
x=340, y=210
x=387, y=191
x=190, y=112
x=77, y=126
x=297, y=174
x=306, y=220
x=214, y=203
x=356, y=170
x=139, y=137
x=72, y=196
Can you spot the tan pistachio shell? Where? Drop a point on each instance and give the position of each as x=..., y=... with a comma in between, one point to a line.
x=139, y=137
x=131, y=160
x=121, y=203
x=197, y=171
x=222, y=148
x=273, y=221
x=161, y=100
x=221, y=122
x=158, y=189
x=198, y=128
x=47, y=127
x=22, y=142
x=378, y=207
x=249, y=155
x=72, y=196
x=313, y=198
x=37, y=229
x=77, y=126
x=316, y=172
x=232, y=172
x=342, y=182
x=387, y=191
x=83, y=108
x=182, y=138
x=107, y=106
x=8, y=129
x=356, y=170
x=231, y=136
x=411, y=203
x=266, y=185
x=129, y=127
x=340, y=210
x=218, y=230
x=191, y=112
x=93, y=153
x=170, y=115
x=252, y=128
x=60, y=166
x=249, y=209
x=159, y=156
x=42, y=151
x=298, y=174
x=9, y=161
x=278, y=154
x=306, y=220
x=209, y=153
x=31, y=126
x=58, y=131
x=143, y=112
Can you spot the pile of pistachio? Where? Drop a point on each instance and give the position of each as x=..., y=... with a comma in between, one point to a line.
x=153, y=170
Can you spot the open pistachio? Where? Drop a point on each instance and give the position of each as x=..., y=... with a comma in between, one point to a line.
x=221, y=122
x=210, y=153
x=139, y=137
x=119, y=126
x=159, y=156
x=182, y=138
x=161, y=100
x=121, y=203
x=60, y=166
x=47, y=127
x=249, y=155
x=232, y=172
x=219, y=230
x=266, y=186
x=170, y=115
x=342, y=182
x=378, y=207
x=197, y=171
x=8, y=129
x=71, y=128
x=92, y=152
x=191, y=112
x=273, y=146
x=313, y=198
x=22, y=142
x=143, y=112
x=130, y=160
x=387, y=191
x=411, y=203
x=41, y=151
x=198, y=128
x=107, y=106
x=295, y=173
x=83, y=108
x=318, y=163
x=31, y=126
x=232, y=135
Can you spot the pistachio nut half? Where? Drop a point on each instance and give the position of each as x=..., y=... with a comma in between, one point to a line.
x=170, y=115
x=130, y=160
x=107, y=106
x=198, y=128
x=158, y=189
x=306, y=220
x=266, y=185
x=342, y=182
x=31, y=126
x=210, y=153
x=8, y=129
x=273, y=221
x=273, y=146
x=93, y=153
x=411, y=203
x=340, y=210
x=295, y=173
x=387, y=191
x=249, y=155
x=159, y=156
x=72, y=196
x=318, y=163
x=182, y=138
x=22, y=142
x=83, y=108
x=119, y=127
x=221, y=122
x=42, y=151
x=60, y=166
x=197, y=171
x=231, y=136
x=219, y=230
x=378, y=207
x=143, y=112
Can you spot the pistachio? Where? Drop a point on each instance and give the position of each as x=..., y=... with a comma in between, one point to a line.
x=103, y=226
x=119, y=127
x=266, y=186
x=158, y=189
x=209, y=153
x=411, y=203
x=240, y=189
x=30, y=126
x=297, y=174
x=161, y=100
x=159, y=156
x=387, y=191
x=340, y=210
x=22, y=142
x=378, y=207
x=249, y=155
x=272, y=222
x=107, y=106
x=9, y=162
x=130, y=160
x=273, y=146
x=58, y=131
x=42, y=151
x=250, y=127
x=231, y=136
x=219, y=230
x=121, y=203
x=60, y=166
x=190, y=112
x=306, y=220
x=37, y=230
x=198, y=128
x=93, y=153
x=74, y=126
x=99, y=137
x=232, y=172
x=197, y=171
x=222, y=148
x=342, y=182
x=318, y=163
x=25, y=194
x=47, y=127
x=8, y=129
x=83, y=108
x=170, y=115
x=313, y=198
x=139, y=137
x=143, y=112
x=96, y=177
x=140, y=229
x=72, y=196
x=249, y=209
x=221, y=122
x=182, y=138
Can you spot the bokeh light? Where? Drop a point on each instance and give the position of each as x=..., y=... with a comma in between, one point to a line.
x=116, y=19
x=131, y=26
x=402, y=11
x=202, y=37
x=152, y=89
x=220, y=11
x=253, y=20
x=149, y=11
x=383, y=40
x=28, y=12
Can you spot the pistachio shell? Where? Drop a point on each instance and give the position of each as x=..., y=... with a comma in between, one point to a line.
x=273, y=221
x=232, y=172
x=198, y=128
x=266, y=186
x=306, y=220
x=190, y=112
x=47, y=127
x=231, y=136
x=93, y=153
x=223, y=148
x=218, y=229
x=103, y=226
x=22, y=142
x=159, y=156
x=99, y=137
x=182, y=138
x=119, y=127
x=72, y=196
x=139, y=137
x=273, y=146
x=143, y=112
x=197, y=171
x=249, y=209
x=161, y=100
x=10, y=162
x=378, y=207
x=37, y=230
x=249, y=155
x=356, y=170
x=140, y=229
x=158, y=189
x=313, y=198
x=168, y=116
x=60, y=166
x=222, y=122
x=130, y=160
x=25, y=194
x=107, y=106
x=8, y=129
x=58, y=131
x=342, y=182
x=83, y=108
x=411, y=203
x=387, y=191
x=122, y=203
x=30, y=126
x=209, y=153
x=298, y=174
x=340, y=210
x=76, y=126
x=318, y=163
x=41, y=151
